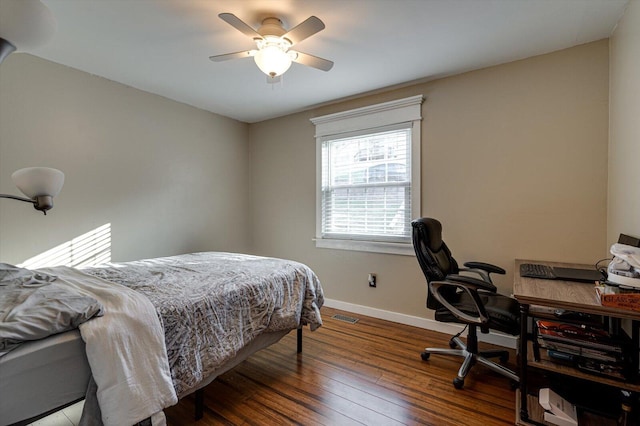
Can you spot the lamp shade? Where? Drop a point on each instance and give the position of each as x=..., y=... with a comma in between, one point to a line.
x=38, y=181
x=272, y=60
x=26, y=24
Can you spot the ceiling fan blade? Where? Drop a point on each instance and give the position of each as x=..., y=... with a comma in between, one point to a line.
x=239, y=25
x=235, y=55
x=303, y=30
x=313, y=61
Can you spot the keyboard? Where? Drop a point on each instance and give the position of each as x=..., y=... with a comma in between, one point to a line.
x=534, y=270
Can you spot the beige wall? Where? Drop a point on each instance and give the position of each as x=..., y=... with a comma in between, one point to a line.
x=168, y=177
x=514, y=163
x=624, y=126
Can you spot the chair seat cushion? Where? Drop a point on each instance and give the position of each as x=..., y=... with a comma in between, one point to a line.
x=503, y=311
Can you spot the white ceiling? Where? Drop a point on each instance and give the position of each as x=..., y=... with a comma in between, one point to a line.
x=163, y=46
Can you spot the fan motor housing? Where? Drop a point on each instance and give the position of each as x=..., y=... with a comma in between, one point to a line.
x=271, y=27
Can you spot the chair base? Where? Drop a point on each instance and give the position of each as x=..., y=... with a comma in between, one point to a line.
x=472, y=357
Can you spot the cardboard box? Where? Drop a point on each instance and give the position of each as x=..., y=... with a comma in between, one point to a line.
x=629, y=301
x=558, y=410
x=560, y=421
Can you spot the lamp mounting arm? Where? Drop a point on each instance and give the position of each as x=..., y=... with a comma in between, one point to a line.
x=15, y=197
x=42, y=203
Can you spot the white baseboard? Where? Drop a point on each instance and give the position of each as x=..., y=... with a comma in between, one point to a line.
x=428, y=324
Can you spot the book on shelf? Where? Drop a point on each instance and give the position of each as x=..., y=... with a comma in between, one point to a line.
x=613, y=370
x=619, y=371
x=581, y=351
x=562, y=356
x=587, y=348
x=580, y=335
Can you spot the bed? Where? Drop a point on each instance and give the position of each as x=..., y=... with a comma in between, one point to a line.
x=215, y=309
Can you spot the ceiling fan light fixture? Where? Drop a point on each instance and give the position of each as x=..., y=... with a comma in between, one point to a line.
x=273, y=42
x=272, y=60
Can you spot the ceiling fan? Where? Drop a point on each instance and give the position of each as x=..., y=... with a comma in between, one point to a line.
x=273, y=55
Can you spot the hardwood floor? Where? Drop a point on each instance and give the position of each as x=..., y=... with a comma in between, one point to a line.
x=367, y=373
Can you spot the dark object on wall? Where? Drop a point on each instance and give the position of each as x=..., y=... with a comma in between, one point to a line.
x=629, y=240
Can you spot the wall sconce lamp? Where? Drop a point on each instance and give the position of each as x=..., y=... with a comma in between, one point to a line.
x=39, y=184
x=24, y=24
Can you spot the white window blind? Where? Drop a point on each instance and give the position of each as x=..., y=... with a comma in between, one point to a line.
x=366, y=185
x=368, y=177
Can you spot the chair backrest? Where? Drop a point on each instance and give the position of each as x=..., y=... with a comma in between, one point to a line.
x=433, y=254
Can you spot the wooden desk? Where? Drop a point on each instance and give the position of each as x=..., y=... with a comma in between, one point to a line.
x=557, y=294
x=567, y=295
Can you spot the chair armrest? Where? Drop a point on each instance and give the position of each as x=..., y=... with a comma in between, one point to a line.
x=483, y=269
x=482, y=318
x=473, y=283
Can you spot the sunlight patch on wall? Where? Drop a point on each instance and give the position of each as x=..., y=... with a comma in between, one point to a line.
x=89, y=249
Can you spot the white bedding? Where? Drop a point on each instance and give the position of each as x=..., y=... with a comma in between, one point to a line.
x=125, y=349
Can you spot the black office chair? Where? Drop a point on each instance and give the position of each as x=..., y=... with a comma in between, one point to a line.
x=473, y=301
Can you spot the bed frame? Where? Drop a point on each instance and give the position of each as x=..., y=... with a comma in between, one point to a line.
x=42, y=377
x=199, y=393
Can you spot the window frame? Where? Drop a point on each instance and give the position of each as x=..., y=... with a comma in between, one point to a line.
x=364, y=120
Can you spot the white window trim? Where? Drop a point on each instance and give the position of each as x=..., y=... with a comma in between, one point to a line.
x=371, y=117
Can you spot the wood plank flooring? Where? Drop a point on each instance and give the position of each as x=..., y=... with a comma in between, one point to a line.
x=367, y=373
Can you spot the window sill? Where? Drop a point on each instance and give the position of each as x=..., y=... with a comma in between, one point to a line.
x=404, y=249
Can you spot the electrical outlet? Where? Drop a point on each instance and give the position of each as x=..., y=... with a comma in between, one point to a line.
x=372, y=280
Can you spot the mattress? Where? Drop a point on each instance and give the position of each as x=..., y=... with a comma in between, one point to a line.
x=47, y=374
x=42, y=375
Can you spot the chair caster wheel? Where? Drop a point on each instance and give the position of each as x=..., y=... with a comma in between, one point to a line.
x=504, y=358
x=458, y=383
x=425, y=356
x=452, y=344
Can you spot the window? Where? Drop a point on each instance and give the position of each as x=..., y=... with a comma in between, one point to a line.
x=368, y=177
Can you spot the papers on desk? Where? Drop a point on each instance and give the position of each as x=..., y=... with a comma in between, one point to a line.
x=558, y=410
x=624, y=268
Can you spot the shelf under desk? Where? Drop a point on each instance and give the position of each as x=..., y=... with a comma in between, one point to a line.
x=567, y=295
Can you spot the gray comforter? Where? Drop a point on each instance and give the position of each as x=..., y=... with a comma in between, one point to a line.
x=35, y=305
x=212, y=304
